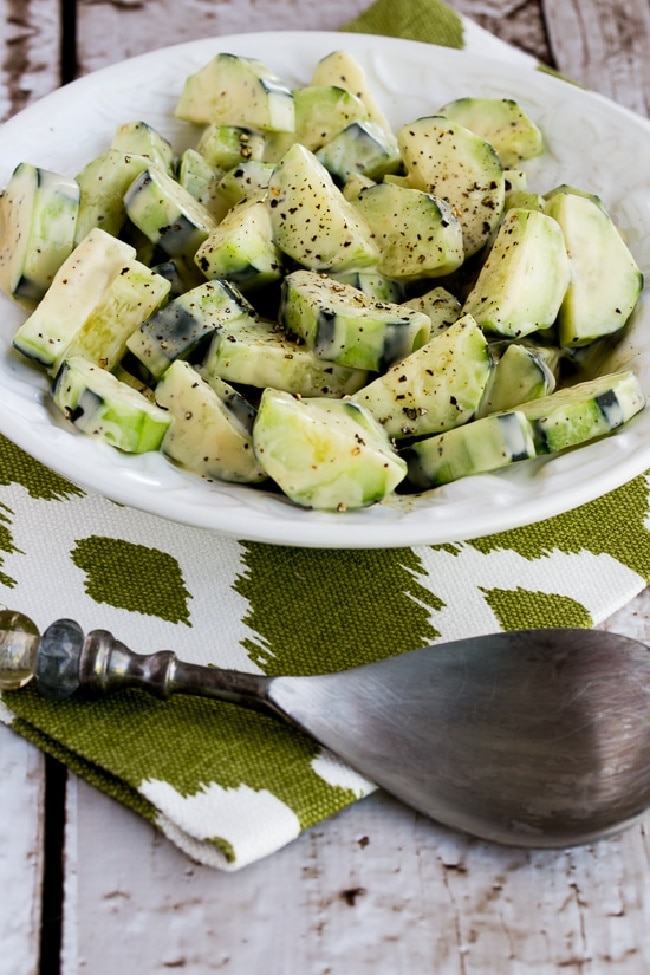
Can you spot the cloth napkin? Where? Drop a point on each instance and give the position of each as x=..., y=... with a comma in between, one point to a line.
x=226, y=785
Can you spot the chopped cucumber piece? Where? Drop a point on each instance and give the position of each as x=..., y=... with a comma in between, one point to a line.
x=325, y=454
x=435, y=388
x=500, y=121
x=321, y=112
x=340, y=68
x=312, y=222
x=417, y=235
x=446, y=159
x=38, y=214
x=102, y=407
x=257, y=354
x=225, y=146
x=479, y=447
x=141, y=139
x=184, y=327
x=201, y=180
x=523, y=282
x=232, y=90
x=338, y=322
x=241, y=248
x=211, y=428
x=134, y=293
x=441, y=307
x=583, y=412
x=77, y=290
x=521, y=374
x=361, y=147
x=605, y=279
x=372, y=284
x=246, y=181
x=102, y=185
x=167, y=213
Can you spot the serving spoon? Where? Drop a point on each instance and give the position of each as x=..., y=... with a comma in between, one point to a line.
x=533, y=738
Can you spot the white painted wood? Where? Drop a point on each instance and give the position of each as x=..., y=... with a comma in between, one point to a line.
x=376, y=889
x=21, y=835
x=604, y=45
x=29, y=52
x=110, y=31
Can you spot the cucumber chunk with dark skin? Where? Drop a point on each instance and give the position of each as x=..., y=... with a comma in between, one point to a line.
x=104, y=408
x=167, y=213
x=211, y=428
x=580, y=413
x=258, y=354
x=478, y=447
x=338, y=322
x=38, y=215
x=325, y=454
x=183, y=328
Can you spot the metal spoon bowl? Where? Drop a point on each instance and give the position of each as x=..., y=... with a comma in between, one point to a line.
x=533, y=738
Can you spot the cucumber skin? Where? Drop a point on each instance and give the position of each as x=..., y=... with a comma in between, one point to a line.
x=342, y=463
x=437, y=387
x=340, y=324
x=124, y=418
x=206, y=434
x=584, y=412
x=478, y=447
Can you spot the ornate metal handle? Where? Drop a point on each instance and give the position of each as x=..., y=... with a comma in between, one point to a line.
x=64, y=660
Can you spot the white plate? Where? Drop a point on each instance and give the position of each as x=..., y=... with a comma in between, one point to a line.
x=591, y=143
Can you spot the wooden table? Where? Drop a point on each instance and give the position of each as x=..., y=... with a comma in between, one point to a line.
x=377, y=888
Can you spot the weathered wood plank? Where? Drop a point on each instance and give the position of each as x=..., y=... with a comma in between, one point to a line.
x=518, y=22
x=376, y=890
x=21, y=836
x=29, y=52
x=108, y=32
x=604, y=45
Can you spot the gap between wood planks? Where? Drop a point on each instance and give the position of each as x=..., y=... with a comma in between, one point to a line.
x=68, y=60
x=52, y=884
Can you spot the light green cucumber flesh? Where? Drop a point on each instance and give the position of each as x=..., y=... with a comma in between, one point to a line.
x=38, y=213
x=338, y=322
x=257, y=354
x=77, y=290
x=312, y=222
x=580, y=413
x=435, y=388
x=207, y=434
x=102, y=407
x=322, y=454
x=522, y=284
x=478, y=447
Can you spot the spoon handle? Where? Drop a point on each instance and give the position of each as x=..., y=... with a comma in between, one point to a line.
x=64, y=660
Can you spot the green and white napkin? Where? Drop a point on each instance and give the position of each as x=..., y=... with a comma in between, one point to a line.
x=226, y=785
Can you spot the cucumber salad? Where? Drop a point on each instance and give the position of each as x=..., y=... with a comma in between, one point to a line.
x=313, y=302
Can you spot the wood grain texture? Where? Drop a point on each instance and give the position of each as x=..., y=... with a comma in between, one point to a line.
x=519, y=22
x=110, y=31
x=29, y=52
x=376, y=889
x=604, y=45
x=21, y=836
